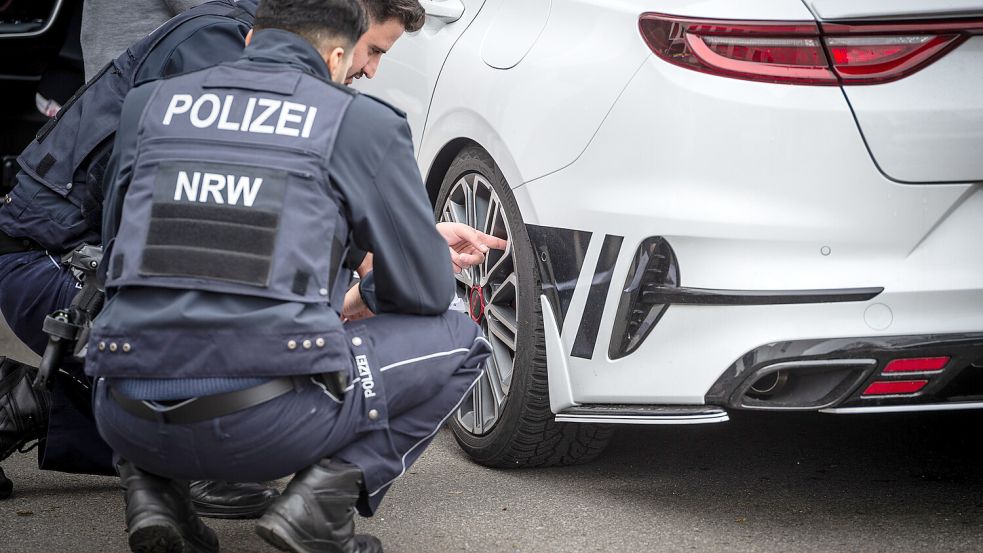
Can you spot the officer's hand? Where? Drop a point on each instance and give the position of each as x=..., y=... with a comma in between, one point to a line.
x=468, y=246
x=354, y=308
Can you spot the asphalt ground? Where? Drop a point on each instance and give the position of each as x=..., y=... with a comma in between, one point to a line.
x=762, y=482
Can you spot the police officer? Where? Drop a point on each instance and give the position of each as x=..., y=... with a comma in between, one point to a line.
x=54, y=207
x=388, y=19
x=34, y=284
x=235, y=192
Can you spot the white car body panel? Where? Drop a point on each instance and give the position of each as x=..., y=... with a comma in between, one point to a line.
x=923, y=129
x=544, y=111
x=756, y=186
x=515, y=27
x=561, y=390
x=413, y=64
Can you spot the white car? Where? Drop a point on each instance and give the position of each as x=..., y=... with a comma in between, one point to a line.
x=710, y=204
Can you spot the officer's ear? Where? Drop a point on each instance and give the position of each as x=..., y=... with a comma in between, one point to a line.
x=249, y=37
x=339, y=62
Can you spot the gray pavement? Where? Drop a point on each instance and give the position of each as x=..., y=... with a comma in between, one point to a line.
x=788, y=482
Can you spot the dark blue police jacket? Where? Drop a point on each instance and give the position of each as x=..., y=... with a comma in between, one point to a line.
x=193, y=148
x=57, y=199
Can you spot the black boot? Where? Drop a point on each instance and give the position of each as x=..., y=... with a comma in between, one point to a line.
x=316, y=513
x=159, y=515
x=217, y=499
x=23, y=412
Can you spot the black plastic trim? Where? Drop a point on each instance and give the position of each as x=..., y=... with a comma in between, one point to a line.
x=964, y=349
x=654, y=266
x=708, y=296
x=560, y=254
x=590, y=323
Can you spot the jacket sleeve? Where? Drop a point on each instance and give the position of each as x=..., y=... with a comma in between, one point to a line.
x=390, y=216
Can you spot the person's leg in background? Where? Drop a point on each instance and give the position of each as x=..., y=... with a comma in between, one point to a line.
x=34, y=284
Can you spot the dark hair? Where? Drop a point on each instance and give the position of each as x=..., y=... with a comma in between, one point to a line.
x=409, y=12
x=315, y=20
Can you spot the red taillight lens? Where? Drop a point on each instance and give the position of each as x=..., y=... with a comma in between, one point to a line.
x=796, y=60
x=894, y=387
x=871, y=59
x=919, y=364
x=799, y=52
x=757, y=51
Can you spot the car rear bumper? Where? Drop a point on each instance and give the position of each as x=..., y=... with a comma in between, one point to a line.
x=761, y=191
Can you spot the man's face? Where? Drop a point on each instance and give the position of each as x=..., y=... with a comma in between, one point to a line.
x=369, y=49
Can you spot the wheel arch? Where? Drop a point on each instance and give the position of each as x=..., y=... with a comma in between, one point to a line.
x=454, y=131
x=442, y=162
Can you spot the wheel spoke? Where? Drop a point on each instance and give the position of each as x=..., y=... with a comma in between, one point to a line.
x=504, y=360
x=501, y=265
x=469, y=203
x=453, y=213
x=483, y=200
x=479, y=419
x=502, y=325
x=489, y=401
x=494, y=214
x=498, y=387
x=466, y=278
x=505, y=292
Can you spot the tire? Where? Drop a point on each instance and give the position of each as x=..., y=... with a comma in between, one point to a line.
x=520, y=430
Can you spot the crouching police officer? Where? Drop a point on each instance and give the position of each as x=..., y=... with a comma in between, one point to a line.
x=234, y=193
x=53, y=209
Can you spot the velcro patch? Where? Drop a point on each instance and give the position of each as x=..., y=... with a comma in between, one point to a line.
x=214, y=221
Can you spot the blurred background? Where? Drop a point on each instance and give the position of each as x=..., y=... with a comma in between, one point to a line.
x=40, y=69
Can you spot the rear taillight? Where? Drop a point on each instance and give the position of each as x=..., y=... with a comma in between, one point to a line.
x=759, y=51
x=802, y=52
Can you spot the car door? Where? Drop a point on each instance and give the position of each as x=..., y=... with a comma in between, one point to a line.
x=408, y=74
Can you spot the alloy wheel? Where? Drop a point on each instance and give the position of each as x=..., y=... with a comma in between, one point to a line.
x=490, y=289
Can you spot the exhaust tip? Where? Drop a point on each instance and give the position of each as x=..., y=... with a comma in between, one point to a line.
x=768, y=385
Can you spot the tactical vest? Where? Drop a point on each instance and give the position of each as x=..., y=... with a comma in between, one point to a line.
x=229, y=189
x=50, y=202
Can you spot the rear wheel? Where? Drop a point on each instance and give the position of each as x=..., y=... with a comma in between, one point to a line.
x=506, y=421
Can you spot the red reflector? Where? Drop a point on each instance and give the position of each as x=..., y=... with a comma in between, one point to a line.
x=891, y=387
x=919, y=364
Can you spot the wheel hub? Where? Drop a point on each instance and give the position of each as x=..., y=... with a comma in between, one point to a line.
x=476, y=304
